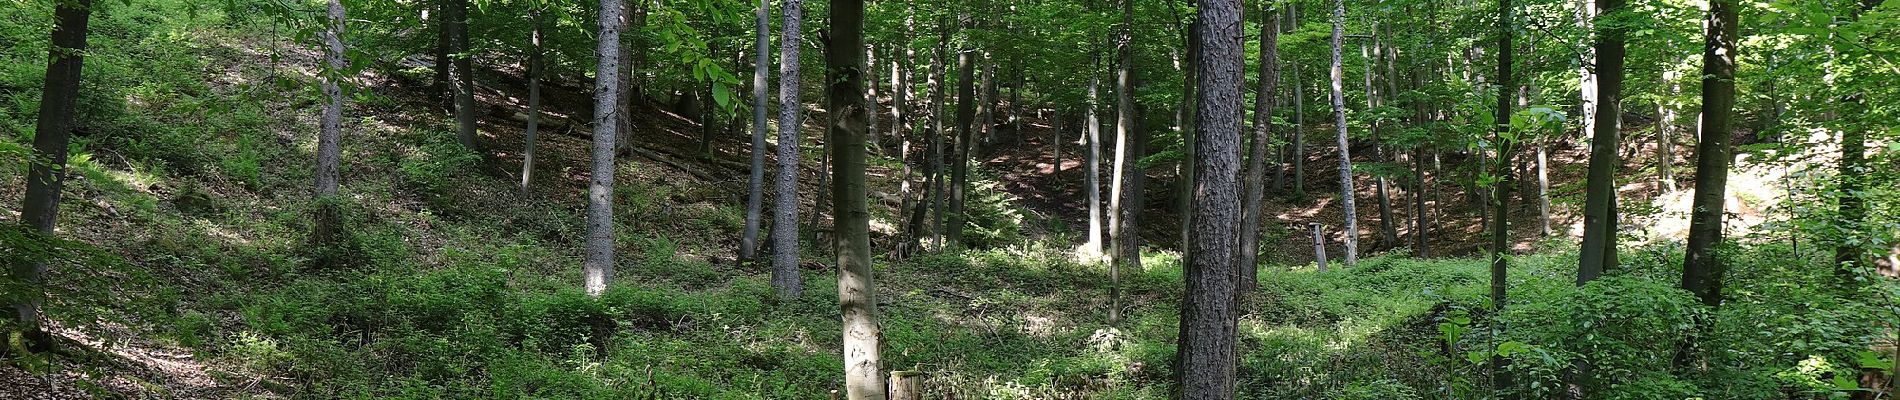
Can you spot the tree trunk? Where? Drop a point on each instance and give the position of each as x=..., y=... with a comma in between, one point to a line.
x=1208, y=313
x=40, y=211
x=1184, y=176
x=441, y=88
x=871, y=103
x=1702, y=268
x=599, y=264
x=762, y=61
x=1599, y=231
x=1853, y=166
x=987, y=105
x=327, y=227
x=1388, y=230
x=785, y=278
x=1092, y=169
x=1421, y=224
x=938, y=92
x=857, y=295
x=960, y=171
x=1247, y=258
x=1665, y=132
x=535, y=69
x=462, y=74
x=1299, y=134
x=1346, y=193
x=1501, y=376
x=1125, y=187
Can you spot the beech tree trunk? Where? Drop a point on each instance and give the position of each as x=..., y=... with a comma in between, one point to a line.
x=1702, y=268
x=1598, y=252
x=1249, y=247
x=857, y=295
x=966, y=119
x=40, y=211
x=461, y=74
x=1092, y=169
x=599, y=265
x=535, y=69
x=754, y=208
x=1346, y=193
x=1125, y=187
x=785, y=278
x=1184, y=176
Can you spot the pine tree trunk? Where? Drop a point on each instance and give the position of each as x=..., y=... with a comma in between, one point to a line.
x=1249, y=247
x=762, y=61
x=599, y=265
x=1346, y=192
x=1599, y=231
x=857, y=295
x=462, y=74
x=785, y=278
x=1209, y=312
x=40, y=211
x=327, y=229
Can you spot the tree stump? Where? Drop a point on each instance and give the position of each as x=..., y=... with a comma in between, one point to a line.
x=907, y=385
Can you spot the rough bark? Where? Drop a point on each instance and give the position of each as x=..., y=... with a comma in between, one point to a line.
x=857, y=294
x=785, y=279
x=327, y=227
x=762, y=61
x=1249, y=247
x=1598, y=252
x=1208, y=318
x=40, y=211
x=1346, y=193
x=599, y=265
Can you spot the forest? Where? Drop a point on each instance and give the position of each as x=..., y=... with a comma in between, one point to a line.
x=950, y=199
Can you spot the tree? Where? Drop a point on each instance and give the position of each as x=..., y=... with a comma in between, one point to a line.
x=1598, y=252
x=1262, y=140
x=857, y=295
x=599, y=264
x=1849, y=254
x=536, y=68
x=58, y=100
x=785, y=277
x=748, y=242
x=1702, y=268
x=461, y=79
x=1505, y=142
x=1125, y=188
x=1209, y=312
x=327, y=228
x=1092, y=166
x=966, y=118
x=1346, y=193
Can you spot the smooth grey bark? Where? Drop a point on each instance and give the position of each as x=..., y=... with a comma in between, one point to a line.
x=1186, y=117
x=1209, y=314
x=40, y=211
x=1249, y=247
x=1388, y=229
x=1346, y=193
x=785, y=279
x=960, y=171
x=1125, y=200
x=761, y=71
x=857, y=294
x=937, y=94
x=987, y=105
x=1702, y=269
x=1586, y=15
x=1665, y=132
x=536, y=67
x=461, y=73
x=1598, y=251
x=327, y=228
x=870, y=90
x=599, y=264
x=1092, y=169
x=1421, y=224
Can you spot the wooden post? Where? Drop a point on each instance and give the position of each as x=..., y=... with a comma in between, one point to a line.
x=1319, y=244
x=834, y=394
x=907, y=385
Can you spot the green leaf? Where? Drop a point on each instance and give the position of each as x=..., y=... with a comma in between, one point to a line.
x=722, y=95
